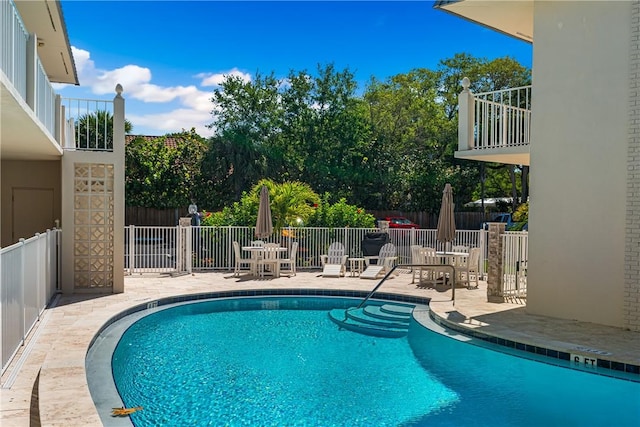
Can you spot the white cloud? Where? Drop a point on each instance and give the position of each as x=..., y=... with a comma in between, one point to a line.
x=172, y=121
x=218, y=78
x=189, y=106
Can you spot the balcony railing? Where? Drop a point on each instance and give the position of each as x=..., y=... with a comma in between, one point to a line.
x=45, y=101
x=13, y=52
x=88, y=124
x=498, y=119
x=18, y=55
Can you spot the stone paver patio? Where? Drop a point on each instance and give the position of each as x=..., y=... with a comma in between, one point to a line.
x=46, y=383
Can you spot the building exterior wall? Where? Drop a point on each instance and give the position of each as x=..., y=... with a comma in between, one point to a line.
x=632, y=252
x=27, y=175
x=579, y=158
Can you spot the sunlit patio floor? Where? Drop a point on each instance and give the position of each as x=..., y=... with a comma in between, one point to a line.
x=56, y=349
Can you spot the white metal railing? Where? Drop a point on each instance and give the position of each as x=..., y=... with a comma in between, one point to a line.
x=28, y=280
x=184, y=249
x=13, y=50
x=515, y=256
x=497, y=119
x=502, y=118
x=45, y=102
x=88, y=124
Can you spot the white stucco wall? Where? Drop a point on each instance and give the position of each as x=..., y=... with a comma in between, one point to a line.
x=579, y=160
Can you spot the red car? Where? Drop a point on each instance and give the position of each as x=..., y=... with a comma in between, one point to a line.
x=400, y=222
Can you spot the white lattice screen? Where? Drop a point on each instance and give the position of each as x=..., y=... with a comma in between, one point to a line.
x=93, y=225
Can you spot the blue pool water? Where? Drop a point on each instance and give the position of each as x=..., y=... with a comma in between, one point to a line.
x=282, y=362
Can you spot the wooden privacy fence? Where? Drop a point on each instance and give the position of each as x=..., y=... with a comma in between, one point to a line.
x=134, y=215
x=169, y=217
x=464, y=220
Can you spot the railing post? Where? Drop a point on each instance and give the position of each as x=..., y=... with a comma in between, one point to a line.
x=189, y=251
x=58, y=118
x=22, y=299
x=230, y=254
x=132, y=248
x=32, y=63
x=466, y=113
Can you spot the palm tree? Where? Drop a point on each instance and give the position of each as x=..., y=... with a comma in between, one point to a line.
x=94, y=131
x=289, y=201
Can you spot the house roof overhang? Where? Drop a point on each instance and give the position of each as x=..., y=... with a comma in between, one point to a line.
x=511, y=17
x=45, y=20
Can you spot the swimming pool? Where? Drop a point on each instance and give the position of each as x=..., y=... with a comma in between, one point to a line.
x=281, y=361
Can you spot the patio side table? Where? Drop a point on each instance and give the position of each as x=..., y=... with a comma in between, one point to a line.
x=356, y=265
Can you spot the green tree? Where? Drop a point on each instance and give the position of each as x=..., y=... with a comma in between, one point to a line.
x=289, y=201
x=412, y=141
x=340, y=214
x=161, y=176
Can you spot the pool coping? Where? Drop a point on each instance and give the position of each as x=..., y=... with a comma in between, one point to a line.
x=598, y=366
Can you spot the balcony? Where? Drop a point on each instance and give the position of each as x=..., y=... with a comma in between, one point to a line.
x=494, y=126
x=28, y=63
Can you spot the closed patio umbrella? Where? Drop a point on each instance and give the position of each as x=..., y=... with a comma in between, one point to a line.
x=264, y=226
x=446, y=231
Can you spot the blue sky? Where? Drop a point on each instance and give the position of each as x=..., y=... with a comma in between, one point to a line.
x=171, y=55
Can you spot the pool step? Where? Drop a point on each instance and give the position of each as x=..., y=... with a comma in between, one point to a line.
x=388, y=320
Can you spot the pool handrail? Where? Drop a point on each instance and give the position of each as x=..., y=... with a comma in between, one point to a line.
x=453, y=280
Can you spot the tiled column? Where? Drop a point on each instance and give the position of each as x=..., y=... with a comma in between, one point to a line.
x=494, y=280
x=632, y=247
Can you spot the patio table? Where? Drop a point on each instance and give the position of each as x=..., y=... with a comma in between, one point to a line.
x=257, y=253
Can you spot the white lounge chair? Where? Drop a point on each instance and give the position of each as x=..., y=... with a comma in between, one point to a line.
x=384, y=262
x=334, y=263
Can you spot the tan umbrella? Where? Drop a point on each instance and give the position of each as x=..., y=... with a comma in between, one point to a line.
x=264, y=226
x=446, y=231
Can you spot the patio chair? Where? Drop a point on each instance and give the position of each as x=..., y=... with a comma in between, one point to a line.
x=470, y=268
x=239, y=261
x=416, y=258
x=432, y=272
x=270, y=263
x=334, y=263
x=290, y=262
x=384, y=262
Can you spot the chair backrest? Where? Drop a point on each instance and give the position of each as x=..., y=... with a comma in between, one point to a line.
x=294, y=252
x=271, y=250
x=335, y=253
x=387, y=255
x=257, y=243
x=416, y=255
x=474, y=258
x=429, y=256
x=236, y=249
x=387, y=251
x=460, y=248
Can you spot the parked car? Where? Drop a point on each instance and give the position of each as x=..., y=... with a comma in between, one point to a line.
x=504, y=217
x=400, y=222
x=511, y=225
